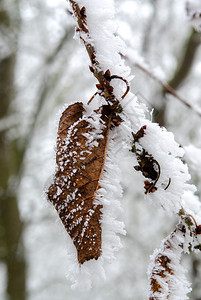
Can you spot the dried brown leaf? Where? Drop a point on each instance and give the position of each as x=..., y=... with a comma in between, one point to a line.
x=80, y=160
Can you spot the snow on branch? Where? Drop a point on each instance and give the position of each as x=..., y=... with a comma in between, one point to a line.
x=166, y=276
x=166, y=185
x=159, y=160
x=102, y=45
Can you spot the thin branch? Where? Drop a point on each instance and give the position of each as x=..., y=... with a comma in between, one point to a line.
x=166, y=87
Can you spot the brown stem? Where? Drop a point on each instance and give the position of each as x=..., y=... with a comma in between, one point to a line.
x=168, y=184
x=193, y=220
x=96, y=93
x=126, y=82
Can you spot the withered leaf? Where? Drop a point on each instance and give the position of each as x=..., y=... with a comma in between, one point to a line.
x=80, y=156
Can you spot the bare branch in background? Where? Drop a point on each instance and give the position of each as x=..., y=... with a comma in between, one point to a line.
x=167, y=88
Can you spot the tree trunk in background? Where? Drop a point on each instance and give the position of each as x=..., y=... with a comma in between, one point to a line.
x=11, y=245
x=186, y=62
x=188, y=53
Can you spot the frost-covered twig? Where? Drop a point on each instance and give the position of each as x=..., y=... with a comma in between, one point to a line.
x=86, y=184
x=87, y=37
x=166, y=275
x=168, y=186
x=86, y=181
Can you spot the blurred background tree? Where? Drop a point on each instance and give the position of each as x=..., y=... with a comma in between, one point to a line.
x=11, y=155
x=42, y=68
